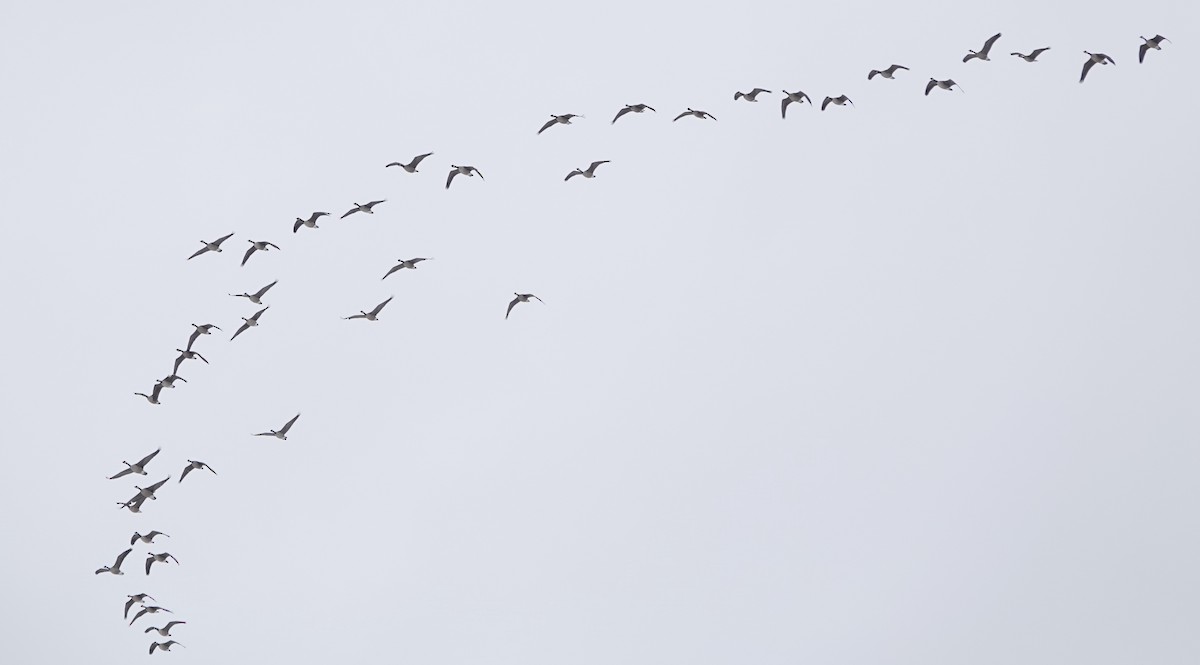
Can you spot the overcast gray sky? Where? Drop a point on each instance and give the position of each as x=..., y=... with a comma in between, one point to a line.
x=907, y=382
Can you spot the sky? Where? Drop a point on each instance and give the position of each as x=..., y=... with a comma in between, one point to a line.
x=911, y=381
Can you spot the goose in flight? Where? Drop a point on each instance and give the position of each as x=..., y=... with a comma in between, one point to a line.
x=205, y=329
x=631, y=108
x=788, y=97
x=115, y=569
x=839, y=100
x=982, y=54
x=564, y=119
x=194, y=465
x=311, y=222
x=148, y=609
x=372, y=315
x=889, y=73
x=1094, y=59
x=133, y=505
x=165, y=631
x=214, y=246
x=521, y=297
x=944, y=85
x=147, y=538
x=134, y=599
x=187, y=354
x=148, y=492
x=698, y=114
x=1152, y=43
x=411, y=167
x=410, y=264
x=159, y=558
x=1032, y=56
x=165, y=646
x=169, y=380
x=363, y=207
x=255, y=297
x=256, y=245
x=153, y=396
x=249, y=323
x=138, y=468
x=281, y=433
x=751, y=96
x=589, y=172
x=468, y=171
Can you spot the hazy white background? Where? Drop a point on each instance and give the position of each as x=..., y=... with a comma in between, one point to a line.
x=911, y=382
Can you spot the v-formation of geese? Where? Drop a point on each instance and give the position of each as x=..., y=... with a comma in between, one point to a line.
x=150, y=492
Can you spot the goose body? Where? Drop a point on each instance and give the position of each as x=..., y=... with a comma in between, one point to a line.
x=695, y=114
x=134, y=599
x=257, y=246
x=889, y=73
x=162, y=557
x=372, y=315
x=133, y=505
x=751, y=96
x=1154, y=42
x=1094, y=59
x=165, y=631
x=255, y=297
x=115, y=569
x=148, y=609
x=214, y=246
x=281, y=433
x=982, y=54
x=146, y=538
x=187, y=354
x=797, y=97
x=363, y=207
x=169, y=380
x=1032, y=56
x=205, y=329
x=139, y=467
x=564, y=119
x=839, y=100
x=944, y=85
x=411, y=167
x=589, y=172
x=410, y=264
x=311, y=222
x=148, y=492
x=520, y=297
x=249, y=323
x=455, y=170
x=194, y=465
x=164, y=646
x=153, y=396
x=631, y=108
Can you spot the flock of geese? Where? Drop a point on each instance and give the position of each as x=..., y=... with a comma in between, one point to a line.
x=150, y=492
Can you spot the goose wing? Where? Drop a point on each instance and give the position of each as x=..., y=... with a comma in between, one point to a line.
x=548, y=125
x=826, y=102
x=572, y=174
x=186, y=470
x=369, y=205
x=417, y=160
x=1038, y=51
x=930, y=86
x=872, y=73
x=121, y=559
x=394, y=269
x=222, y=239
x=350, y=212
x=146, y=460
x=297, y=225
x=1142, y=52
x=198, y=252
x=374, y=312
x=264, y=289
x=685, y=113
x=1087, y=66
x=450, y=178
x=128, y=605
x=987, y=46
x=259, y=313
x=192, y=338
x=619, y=114
x=250, y=251
x=592, y=168
x=244, y=328
x=511, y=305
x=119, y=474
x=287, y=426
